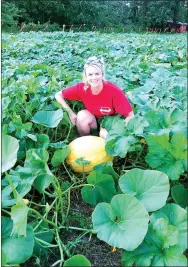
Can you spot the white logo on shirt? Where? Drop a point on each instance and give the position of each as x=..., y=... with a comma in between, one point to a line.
x=105, y=110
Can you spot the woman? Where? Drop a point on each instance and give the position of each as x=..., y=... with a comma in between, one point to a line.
x=100, y=97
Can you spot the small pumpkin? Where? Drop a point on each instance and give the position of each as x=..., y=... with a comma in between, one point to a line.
x=90, y=148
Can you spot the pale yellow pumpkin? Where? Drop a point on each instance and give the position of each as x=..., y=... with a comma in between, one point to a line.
x=90, y=148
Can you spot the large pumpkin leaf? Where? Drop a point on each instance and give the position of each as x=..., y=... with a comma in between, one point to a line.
x=177, y=217
x=103, y=188
x=77, y=260
x=123, y=223
x=149, y=187
x=10, y=146
x=16, y=249
x=180, y=195
x=49, y=119
x=167, y=155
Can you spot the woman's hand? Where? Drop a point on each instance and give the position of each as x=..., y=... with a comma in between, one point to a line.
x=103, y=133
x=73, y=117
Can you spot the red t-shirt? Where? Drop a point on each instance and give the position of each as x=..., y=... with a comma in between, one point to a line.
x=109, y=101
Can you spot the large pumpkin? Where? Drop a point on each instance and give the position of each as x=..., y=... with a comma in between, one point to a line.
x=90, y=148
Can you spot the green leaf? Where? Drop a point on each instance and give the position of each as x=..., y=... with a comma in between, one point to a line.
x=3, y=258
x=163, y=234
x=180, y=195
x=10, y=146
x=123, y=223
x=77, y=260
x=177, y=217
x=109, y=121
x=43, y=141
x=60, y=156
x=119, y=146
x=19, y=216
x=109, y=170
x=36, y=159
x=151, y=188
x=49, y=119
x=58, y=145
x=19, y=249
x=158, y=248
x=141, y=255
x=42, y=80
x=43, y=181
x=103, y=188
x=44, y=233
x=82, y=161
x=170, y=257
x=137, y=124
x=173, y=151
x=22, y=179
x=171, y=120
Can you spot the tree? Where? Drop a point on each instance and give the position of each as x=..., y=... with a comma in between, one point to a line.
x=10, y=14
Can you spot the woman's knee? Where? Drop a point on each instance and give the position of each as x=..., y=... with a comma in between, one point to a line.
x=84, y=117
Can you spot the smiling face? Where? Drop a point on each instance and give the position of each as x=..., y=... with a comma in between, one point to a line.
x=94, y=76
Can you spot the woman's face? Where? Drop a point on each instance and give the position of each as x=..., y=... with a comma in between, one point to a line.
x=94, y=76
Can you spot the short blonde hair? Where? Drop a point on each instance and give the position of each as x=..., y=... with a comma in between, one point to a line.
x=93, y=61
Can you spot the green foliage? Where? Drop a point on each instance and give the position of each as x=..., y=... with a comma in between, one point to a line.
x=9, y=152
x=48, y=118
x=151, y=188
x=165, y=241
x=102, y=188
x=180, y=195
x=60, y=156
x=167, y=154
x=77, y=260
x=16, y=249
x=132, y=15
x=123, y=223
x=10, y=14
x=19, y=214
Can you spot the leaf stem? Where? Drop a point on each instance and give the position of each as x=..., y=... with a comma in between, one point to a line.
x=78, y=229
x=42, y=217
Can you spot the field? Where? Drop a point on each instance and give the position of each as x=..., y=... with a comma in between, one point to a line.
x=129, y=212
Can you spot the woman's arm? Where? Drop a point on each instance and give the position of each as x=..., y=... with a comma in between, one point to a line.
x=60, y=99
x=129, y=116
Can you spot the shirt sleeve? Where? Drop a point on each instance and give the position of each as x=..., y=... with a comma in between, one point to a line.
x=121, y=103
x=72, y=92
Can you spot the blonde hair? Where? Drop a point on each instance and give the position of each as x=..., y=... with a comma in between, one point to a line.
x=93, y=61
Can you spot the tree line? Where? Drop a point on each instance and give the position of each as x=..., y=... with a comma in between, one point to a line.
x=131, y=14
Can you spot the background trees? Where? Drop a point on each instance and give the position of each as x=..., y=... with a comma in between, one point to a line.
x=134, y=13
